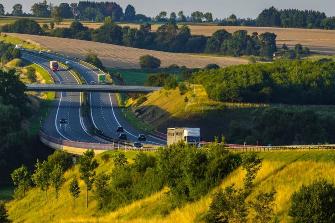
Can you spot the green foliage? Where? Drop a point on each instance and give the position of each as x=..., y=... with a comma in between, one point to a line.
x=182, y=88
x=141, y=100
x=190, y=173
x=228, y=206
x=105, y=157
x=101, y=191
x=3, y=213
x=94, y=59
x=212, y=66
x=31, y=74
x=41, y=9
x=170, y=83
x=56, y=178
x=314, y=203
x=87, y=166
x=120, y=160
x=289, y=82
x=252, y=164
x=231, y=205
x=8, y=52
x=26, y=26
x=41, y=176
x=263, y=206
x=21, y=180
x=74, y=189
x=149, y=62
x=62, y=159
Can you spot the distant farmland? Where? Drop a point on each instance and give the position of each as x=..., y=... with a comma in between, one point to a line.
x=318, y=40
x=125, y=57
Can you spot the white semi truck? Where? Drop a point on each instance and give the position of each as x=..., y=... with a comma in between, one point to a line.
x=54, y=65
x=186, y=135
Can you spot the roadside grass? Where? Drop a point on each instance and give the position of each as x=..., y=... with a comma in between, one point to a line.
x=284, y=171
x=17, y=41
x=45, y=101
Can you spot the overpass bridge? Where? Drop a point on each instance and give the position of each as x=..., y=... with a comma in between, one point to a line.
x=90, y=88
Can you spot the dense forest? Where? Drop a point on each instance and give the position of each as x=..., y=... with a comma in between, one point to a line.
x=286, y=18
x=16, y=146
x=287, y=82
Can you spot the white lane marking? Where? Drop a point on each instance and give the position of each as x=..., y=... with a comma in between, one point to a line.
x=111, y=105
x=92, y=116
x=59, y=103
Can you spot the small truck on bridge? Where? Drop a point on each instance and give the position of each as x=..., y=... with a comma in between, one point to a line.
x=186, y=135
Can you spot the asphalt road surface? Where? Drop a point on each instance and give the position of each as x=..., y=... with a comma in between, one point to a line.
x=105, y=113
x=67, y=106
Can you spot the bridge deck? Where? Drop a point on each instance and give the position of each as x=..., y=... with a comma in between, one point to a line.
x=90, y=88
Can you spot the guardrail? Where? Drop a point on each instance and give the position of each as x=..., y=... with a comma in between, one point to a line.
x=80, y=147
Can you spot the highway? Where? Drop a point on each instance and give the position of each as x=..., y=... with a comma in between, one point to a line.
x=105, y=113
x=67, y=106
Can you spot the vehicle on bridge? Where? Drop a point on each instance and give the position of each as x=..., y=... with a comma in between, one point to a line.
x=102, y=78
x=186, y=135
x=120, y=129
x=142, y=138
x=54, y=65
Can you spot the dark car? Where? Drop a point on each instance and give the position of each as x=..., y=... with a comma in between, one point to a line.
x=120, y=129
x=142, y=138
x=123, y=136
x=138, y=145
x=63, y=121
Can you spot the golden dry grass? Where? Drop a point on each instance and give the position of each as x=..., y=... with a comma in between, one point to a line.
x=283, y=171
x=125, y=57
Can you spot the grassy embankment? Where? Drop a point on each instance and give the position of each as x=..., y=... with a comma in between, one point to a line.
x=283, y=171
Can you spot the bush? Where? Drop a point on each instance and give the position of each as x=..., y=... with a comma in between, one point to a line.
x=170, y=83
x=27, y=26
x=94, y=59
x=212, y=66
x=3, y=213
x=314, y=203
x=182, y=88
x=149, y=62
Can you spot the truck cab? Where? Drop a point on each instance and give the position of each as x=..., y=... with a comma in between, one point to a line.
x=186, y=135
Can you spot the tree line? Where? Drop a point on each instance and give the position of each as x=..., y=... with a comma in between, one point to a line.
x=168, y=37
x=284, y=81
x=286, y=18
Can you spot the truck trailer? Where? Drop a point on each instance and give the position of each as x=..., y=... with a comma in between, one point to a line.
x=186, y=135
x=54, y=65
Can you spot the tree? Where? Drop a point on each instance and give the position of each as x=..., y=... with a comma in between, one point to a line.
x=252, y=164
x=26, y=26
x=3, y=213
x=149, y=62
x=56, y=15
x=130, y=13
x=65, y=10
x=212, y=66
x=57, y=178
x=101, y=189
x=161, y=17
x=181, y=16
x=268, y=44
x=314, y=203
x=41, y=176
x=21, y=180
x=41, y=9
x=208, y=16
x=197, y=16
x=263, y=206
x=2, y=9
x=87, y=166
x=120, y=160
x=173, y=17
x=74, y=189
x=94, y=59
x=269, y=17
x=17, y=10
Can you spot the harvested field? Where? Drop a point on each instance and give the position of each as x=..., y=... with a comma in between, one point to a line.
x=321, y=41
x=125, y=57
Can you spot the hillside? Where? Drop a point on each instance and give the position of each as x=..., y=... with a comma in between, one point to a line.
x=125, y=57
x=283, y=171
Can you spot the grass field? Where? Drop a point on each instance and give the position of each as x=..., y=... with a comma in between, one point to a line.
x=283, y=171
x=18, y=41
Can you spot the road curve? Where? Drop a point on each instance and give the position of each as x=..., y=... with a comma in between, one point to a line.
x=105, y=112
x=67, y=106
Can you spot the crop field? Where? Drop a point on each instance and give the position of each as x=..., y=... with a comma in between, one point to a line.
x=126, y=57
x=318, y=40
